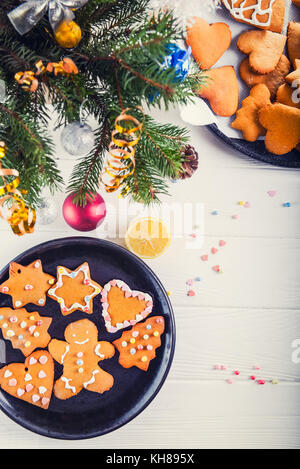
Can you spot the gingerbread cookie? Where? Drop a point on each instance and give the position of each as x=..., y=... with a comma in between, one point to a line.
x=293, y=42
x=74, y=289
x=264, y=14
x=247, y=119
x=26, y=331
x=272, y=80
x=31, y=381
x=294, y=78
x=221, y=90
x=137, y=346
x=122, y=306
x=264, y=49
x=79, y=356
x=283, y=127
x=27, y=284
x=208, y=41
x=288, y=96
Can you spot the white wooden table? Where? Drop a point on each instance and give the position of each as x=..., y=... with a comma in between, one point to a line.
x=247, y=316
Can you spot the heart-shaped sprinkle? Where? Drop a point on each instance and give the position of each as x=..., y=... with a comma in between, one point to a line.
x=32, y=361
x=35, y=398
x=45, y=400
x=222, y=243
x=43, y=359
x=42, y=374
x=205, y=257
x=28, y=387
x=216, y=268
x=7, y=374
x=28, y=377
x=12, y=382
x=191, y=293
x=20, y=392
x=42, y=389
x=272, y=193
x=214, y=250
x=247, y=205
x=190, y=282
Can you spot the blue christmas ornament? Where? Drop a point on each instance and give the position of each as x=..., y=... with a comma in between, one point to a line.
x=176, y=58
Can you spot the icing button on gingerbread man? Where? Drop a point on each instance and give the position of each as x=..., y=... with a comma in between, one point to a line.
x=79, y=356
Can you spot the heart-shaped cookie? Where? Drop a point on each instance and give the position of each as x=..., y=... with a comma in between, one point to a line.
x=31, y=381
x=123, y=307
x=283, y=127
x=208, y=41
x=221, y=90
x=264, y=49
x=263, y=14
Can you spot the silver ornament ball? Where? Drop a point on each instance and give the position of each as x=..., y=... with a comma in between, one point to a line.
x=77, y=138
x=46, y=211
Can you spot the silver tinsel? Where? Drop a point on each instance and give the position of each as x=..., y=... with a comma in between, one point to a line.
x=47, y=211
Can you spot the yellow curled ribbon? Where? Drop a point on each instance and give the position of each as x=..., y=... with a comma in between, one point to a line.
x=21, y=217
x=120, y=163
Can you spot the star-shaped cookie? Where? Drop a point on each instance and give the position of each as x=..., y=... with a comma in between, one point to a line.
x=27, y=284
x=74, y=289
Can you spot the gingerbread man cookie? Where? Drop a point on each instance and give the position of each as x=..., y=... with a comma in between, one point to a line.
x=137, y=346
x=79, y=356
x=27, y=284
x=74, y=289
x=31, y=381
x=26, y=331
x=247, y=118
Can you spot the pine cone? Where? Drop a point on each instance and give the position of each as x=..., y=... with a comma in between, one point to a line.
x=190, y=161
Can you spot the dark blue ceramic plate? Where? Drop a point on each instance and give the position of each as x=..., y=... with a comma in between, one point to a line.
x=89, y=414
x=257, y=150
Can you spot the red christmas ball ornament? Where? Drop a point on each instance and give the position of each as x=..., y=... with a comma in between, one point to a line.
x=86, y=218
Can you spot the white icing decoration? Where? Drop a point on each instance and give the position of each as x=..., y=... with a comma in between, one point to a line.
x=92, y=380
x=64, y=354
x=67, y=386
x=7, y=374
x=81, y=343
x=28, y=377
x=258, y=10
x=42, y=390
x=134, y=293
x=63, y=272
x=97, y=351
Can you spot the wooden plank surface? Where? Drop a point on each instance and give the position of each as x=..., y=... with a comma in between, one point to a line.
x=248, y=315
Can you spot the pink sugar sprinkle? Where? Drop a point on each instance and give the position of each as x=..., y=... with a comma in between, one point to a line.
x=261, y=381
x=230, y=381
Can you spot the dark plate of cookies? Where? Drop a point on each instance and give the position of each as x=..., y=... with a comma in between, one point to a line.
x=87, y=337
x=249, y=51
